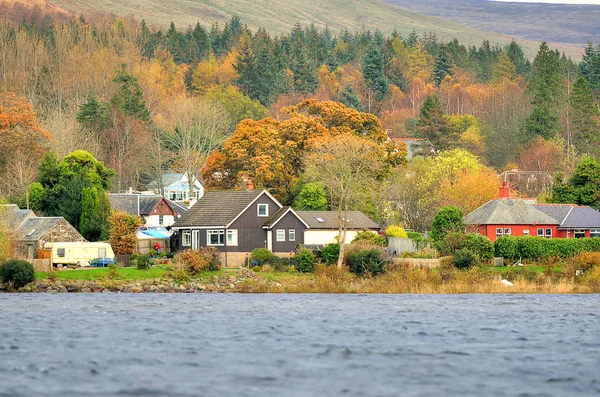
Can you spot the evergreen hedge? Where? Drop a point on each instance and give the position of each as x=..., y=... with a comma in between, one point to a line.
x=538, y=248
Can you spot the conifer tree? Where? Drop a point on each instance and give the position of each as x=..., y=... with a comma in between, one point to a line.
x=584, y=118
x=245, y=66
x=305, y=73
x=443, y=66
x=590, y=66
x=433, y=125
x=373, y=71
x=349, y=98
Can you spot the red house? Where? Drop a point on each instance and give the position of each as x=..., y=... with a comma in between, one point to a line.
x=506, y=216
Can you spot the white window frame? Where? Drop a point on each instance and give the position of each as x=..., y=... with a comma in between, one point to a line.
x=525, y=232
x=578, y=231
x=292, y=235
x=186, y=238
x=61, y=252
x=499, y=232
x=265, y=206
x=161, y=220
x=548, y=235
x=280, y=235
x=595, y=233
x=220, y=233
x=540, y=230
x=232, y=237
x=508, y=231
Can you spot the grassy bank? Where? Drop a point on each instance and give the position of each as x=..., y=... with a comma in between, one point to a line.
x=480, y=280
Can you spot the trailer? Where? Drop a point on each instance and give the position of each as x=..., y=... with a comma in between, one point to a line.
x=81, y=254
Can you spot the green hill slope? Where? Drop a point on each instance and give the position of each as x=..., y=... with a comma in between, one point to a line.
x=278, y=16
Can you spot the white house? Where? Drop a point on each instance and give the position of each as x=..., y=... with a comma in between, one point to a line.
x=176, y=187
x=324, y=226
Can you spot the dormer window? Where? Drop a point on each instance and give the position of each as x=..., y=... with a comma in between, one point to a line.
x=263, y=210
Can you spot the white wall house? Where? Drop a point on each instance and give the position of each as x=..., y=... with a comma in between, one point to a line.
x=324, y=226
x=176, y=187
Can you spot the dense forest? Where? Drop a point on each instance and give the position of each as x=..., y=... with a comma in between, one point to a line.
x=229, y=104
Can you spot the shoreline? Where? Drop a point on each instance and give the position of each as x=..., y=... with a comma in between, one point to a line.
x=328, y=280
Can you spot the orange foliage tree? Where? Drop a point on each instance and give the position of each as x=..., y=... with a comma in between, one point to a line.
x=271, y=152
x=22, y=143
x=470, y=190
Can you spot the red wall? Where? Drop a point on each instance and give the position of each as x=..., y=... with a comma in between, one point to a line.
x=516, y=230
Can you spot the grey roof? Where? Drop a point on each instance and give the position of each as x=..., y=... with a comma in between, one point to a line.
x=15, y=216
x=276, y=216
x=217, y=208
x=34, y=228
x=167, y=179
x=509, y=211
x=572, y=216
x=356, y=220
x=134, y=204
x=179, y=208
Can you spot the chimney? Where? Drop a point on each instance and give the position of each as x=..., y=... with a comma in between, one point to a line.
x=504, y=190
x=249, y=184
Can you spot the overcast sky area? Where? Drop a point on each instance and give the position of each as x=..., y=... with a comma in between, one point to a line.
x=595, y=2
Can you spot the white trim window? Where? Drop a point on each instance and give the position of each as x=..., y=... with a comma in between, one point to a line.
x=186, y=238
x=161, y=220
x=292, y=235
x=540, y=232
x=498, y=232
x=215, y=237
x=548, y=233
x=525, y=232
x=262, y=210
x=507, y=232
x=595, y=233
x=280, y=235
x=579, y=233
x=232, y=237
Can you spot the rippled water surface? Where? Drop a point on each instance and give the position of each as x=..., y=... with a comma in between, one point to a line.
x=299, y=345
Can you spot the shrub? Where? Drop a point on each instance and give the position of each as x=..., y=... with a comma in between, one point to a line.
x=464, y=258
x=203, y=259
x=479, y=245
x=446, y=220
x=17, y=272
x=414, y=236
x=304, y=261
x=369, y=237
x=262, y=256
x=143, y=262
x=366, y=261
x=396, y=231
x=586, y=260
x=330, y=254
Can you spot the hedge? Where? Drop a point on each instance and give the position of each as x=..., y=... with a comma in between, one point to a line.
x=537, y=248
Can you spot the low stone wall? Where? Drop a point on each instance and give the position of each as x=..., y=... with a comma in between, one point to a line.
x=233, y=282
x=419, y=263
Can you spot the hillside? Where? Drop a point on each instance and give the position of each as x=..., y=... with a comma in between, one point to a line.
x=279, y=16
x=565, y=24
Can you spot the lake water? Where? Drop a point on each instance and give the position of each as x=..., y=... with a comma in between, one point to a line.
x=299, y=345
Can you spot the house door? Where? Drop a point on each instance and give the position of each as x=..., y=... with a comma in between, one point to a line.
x=195, y=239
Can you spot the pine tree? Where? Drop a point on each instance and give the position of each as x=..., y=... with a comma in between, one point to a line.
x=245, y=66
x=590, y=66
x=584, y=118
x=443, y=66
x=546, y=88
x=129, y=96
x=349, y=98
x=518, y=58
x=373, y=71
x=433, y=125
x=305, y=74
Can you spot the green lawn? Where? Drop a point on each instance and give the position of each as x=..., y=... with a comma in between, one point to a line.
x=129, y=273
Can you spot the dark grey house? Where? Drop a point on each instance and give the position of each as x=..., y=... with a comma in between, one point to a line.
x=239, y=221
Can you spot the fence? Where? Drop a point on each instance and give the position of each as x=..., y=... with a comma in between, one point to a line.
x=42, y=265
x=124, y=260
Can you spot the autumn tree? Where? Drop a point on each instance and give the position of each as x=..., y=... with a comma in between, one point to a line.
x=469, y=191
x=123, y=228
x=22, y=143
x=237, y=105
x=195, y=129
x=348, y=166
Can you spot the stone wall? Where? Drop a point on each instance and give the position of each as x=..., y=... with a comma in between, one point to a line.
x=63, y=232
